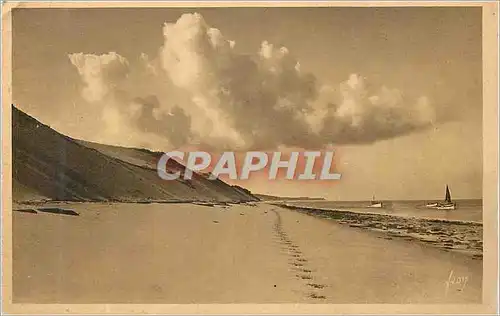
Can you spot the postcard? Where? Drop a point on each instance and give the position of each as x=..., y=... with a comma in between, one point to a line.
x=250, y=158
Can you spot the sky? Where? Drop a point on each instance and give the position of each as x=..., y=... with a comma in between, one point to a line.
x=396, y=92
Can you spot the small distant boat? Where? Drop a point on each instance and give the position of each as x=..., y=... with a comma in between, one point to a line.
x=375, y=203
x=446, y=205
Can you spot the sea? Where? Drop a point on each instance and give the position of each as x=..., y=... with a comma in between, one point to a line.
x=470, y=210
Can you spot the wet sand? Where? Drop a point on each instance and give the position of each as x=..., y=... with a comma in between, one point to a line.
x=185, y=253
x=457, y=236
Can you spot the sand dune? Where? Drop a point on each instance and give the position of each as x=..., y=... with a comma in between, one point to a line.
x=49, y=165
x=185, y=253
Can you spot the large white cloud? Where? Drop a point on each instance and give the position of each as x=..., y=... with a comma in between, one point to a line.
x=100, y=74
x=364, y=116
x=112, y=84
x=200, y=90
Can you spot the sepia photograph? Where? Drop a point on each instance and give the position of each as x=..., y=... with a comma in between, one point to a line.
x=273, y=155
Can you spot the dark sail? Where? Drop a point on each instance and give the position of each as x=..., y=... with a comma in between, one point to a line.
x=447, y=199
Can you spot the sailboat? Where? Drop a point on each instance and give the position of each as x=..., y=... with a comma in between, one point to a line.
x=446, y=205
x=376, y=204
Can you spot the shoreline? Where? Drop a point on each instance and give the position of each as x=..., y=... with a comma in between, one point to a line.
x=340, y=211
x=448, y=235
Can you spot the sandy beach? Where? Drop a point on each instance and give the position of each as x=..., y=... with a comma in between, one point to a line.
x=185, y=253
